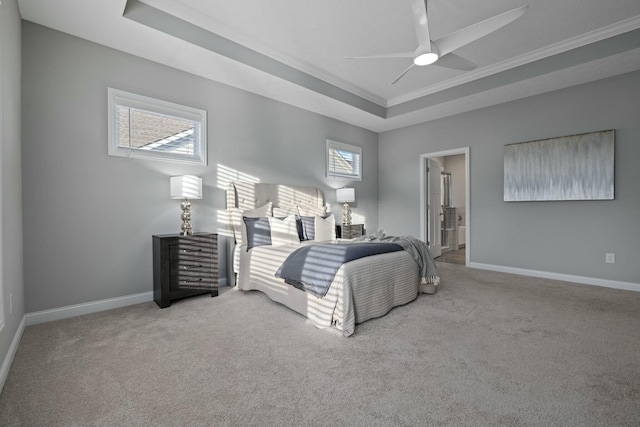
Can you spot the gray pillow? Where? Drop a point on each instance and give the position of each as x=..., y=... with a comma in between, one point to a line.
x=307, y=227
x=258, y=231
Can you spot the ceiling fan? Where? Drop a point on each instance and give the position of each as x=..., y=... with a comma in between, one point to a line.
x=440, y=52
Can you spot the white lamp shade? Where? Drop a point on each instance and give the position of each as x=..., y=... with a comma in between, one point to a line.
x=346, y=195
x=186, y=187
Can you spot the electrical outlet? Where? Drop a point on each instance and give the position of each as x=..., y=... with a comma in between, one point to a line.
x=610, y=258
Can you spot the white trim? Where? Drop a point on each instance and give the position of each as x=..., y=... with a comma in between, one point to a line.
x=353, y=149
x=93, y=307
x=615, y=284
x=13, y=348
x=467, y=196
x=117, y=97
x=86, y=308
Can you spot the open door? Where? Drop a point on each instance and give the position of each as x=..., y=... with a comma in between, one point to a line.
x=431, y=211
x=434, y=208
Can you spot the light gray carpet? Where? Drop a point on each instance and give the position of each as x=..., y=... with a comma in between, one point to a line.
x=488, y=349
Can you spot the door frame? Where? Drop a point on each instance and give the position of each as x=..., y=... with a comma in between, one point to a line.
x=424, y=188
x=433, y=182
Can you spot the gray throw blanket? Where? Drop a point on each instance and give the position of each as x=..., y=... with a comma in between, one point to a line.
x=420, y=253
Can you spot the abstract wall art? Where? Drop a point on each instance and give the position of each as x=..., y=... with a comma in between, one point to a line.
x=576, y=167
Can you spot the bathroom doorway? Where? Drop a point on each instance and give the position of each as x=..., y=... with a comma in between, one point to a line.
x=445, y=204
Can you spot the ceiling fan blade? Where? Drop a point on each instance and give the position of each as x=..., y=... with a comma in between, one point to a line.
x=478, y=30
x=403, y=73
x=384, y=56
x=420, y=22
x=451, y=60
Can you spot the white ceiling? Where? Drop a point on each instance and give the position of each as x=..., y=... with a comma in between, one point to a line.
x=294, y=50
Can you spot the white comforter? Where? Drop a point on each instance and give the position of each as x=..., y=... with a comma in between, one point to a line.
x=361, y=290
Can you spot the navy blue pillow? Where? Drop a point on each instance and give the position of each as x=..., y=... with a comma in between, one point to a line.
x=258, y=231
x=307, y=227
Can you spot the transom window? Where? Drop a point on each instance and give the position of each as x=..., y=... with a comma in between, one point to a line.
x=344, y=160
x=143, y=127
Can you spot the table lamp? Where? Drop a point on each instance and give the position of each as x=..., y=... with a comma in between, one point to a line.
x=346, y=196
x=186, y=187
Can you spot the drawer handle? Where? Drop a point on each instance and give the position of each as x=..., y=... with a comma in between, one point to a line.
x=191, y=250
x=189, y=267
x=186, y=282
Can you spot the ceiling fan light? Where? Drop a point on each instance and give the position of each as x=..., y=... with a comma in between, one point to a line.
x=425, y=58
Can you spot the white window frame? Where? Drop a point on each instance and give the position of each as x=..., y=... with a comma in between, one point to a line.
x=118, y=97
x=354, y=149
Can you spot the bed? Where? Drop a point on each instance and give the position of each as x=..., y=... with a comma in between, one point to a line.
x=361, y=289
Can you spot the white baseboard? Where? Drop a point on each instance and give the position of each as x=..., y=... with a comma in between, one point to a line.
x=86, y=308
x=559, y=276
x=13, y=348
x=93, y=307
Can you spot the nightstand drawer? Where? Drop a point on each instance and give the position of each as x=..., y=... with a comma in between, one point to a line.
x=192, y=274
x=202, y=267
x=192, y=282
x=189, y=250
x=350, y=231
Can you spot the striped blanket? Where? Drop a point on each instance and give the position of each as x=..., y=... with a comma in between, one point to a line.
x=420, y=253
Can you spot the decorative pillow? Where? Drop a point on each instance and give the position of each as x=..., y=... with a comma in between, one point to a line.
x=325, y=228
x=239, y=229
x=264, y=210
x=284, y=231
x=312, y=211
x=306, y=227
x=258, y=231
x=284, y=212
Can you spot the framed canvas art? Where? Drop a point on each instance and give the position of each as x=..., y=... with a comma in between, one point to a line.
x=576, y=167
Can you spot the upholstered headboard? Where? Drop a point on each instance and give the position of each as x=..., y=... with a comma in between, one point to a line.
x=242, y=196
x=250, y=195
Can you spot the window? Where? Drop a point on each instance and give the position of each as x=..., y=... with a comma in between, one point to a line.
x=344, y=160
x=143, y=127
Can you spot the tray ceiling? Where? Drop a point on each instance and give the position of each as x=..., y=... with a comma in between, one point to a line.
x=294, y=50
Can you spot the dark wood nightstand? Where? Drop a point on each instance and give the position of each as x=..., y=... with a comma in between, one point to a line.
x=350, y=231
x=184, y=266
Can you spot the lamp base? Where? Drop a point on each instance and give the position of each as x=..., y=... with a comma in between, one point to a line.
x=346, y=214
x=185, y=228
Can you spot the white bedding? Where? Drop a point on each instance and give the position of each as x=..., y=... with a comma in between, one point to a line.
x=362, y=289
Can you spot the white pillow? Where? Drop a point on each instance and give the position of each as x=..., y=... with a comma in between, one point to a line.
x=311, y=210
x=284, y=231
x=325, y=228
x=239, y=229
x=282, y=212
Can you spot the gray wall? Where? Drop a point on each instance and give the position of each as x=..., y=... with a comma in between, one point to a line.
x=559, y=237
x=11, y=273
x=89, y=217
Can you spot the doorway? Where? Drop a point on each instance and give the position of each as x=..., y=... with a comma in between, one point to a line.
x=445, y=195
